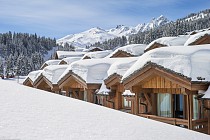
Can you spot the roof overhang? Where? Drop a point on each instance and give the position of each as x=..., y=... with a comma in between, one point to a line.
x=152, y=69
x=113, y=80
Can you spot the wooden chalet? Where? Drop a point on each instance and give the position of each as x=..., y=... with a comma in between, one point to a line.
x=75, y=87
x=94, y=49
x=202, y=40
x=29, y=81
x=64, y=54
x=129, y=51
x=113, y=82
x=164, y=95
x=47, y=79
x=154, y=46
x=50, y=62
x=121, y=53
x=167, y=41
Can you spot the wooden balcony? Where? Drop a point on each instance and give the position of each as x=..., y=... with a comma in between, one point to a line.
x=200, y=125
x=173, y=121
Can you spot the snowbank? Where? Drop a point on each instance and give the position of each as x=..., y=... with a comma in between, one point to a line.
x=70, y=60
x=97, y=54
x=28, y=113
x=64, y=54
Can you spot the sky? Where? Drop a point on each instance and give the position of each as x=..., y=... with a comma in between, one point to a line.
x=58, y=18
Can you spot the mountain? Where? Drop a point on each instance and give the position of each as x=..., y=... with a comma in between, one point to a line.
x=97, y=34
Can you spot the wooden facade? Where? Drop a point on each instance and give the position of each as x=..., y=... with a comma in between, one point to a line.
x=44, y=84
x=154, y=46
x=166, y=96
x=28, y=82
x=77, y=88
x=202, y=40
x=95, y=49
x=121, y=53
x=115, y=98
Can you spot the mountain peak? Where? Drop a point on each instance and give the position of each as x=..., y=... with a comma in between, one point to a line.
x=97, y=34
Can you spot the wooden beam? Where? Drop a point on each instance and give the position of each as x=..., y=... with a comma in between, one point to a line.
x=148, y=99
x=209, y=122
x=190, y=110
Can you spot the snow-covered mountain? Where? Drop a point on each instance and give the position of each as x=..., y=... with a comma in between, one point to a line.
x=97, y=34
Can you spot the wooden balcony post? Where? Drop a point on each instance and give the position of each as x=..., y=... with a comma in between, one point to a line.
x=189, y=110
x=209, y=122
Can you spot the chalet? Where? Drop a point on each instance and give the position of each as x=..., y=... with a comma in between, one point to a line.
x=47, y=79
x=199, y=38
x=167, y=41
x=114, y=98
x=97, y=54
x=50, y=62
x=93, y=49
x=69, y=60
x=31, y=78
x=166, y=83
x=206, y=104
x=128, y=51
x=84, y=77
x=63, y=54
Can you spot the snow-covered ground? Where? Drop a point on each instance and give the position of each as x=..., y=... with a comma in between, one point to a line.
x=31, y=114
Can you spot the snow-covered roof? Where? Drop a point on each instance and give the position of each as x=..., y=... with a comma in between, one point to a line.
x=207, y=94
x=64, y=54
x=90, y=70
x=103, y=90
x=121, y=66
x=190, y=61
x=170, y=41
x=196, y=36
x=50, y=62
x=33, y=75
x=53, y=72
x=70, y=60
x=29, y=113
x=133, y=49
x=95, y=70
x=97, y=54
x=128, y=93
x=92, y=48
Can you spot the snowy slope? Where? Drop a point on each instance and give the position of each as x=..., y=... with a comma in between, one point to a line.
x=100, y=35
x=32, y=114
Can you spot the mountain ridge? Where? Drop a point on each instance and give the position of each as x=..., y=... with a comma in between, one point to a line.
x=98, y=34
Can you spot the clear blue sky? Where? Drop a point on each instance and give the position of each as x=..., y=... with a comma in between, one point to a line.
x=57, y=18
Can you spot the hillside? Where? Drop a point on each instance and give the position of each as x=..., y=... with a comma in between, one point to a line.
x=28, y=113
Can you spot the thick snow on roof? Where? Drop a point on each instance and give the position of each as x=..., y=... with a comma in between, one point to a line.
x=121, y=66
x=53, y=72
x=194, y=37
x=133, y=49
x=64, y=54
x=51, y=62
x=70, y=60
x=95, y=70
x=128, y=93
x=103, y=90
x=97, y=54
x=170, y=41
x=191, y=61
x=90, y=70
x=33, y=75
x=28, y=113
x=207, y=94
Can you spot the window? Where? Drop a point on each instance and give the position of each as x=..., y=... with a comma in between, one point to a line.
x=164, y=105
x=126, y=104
